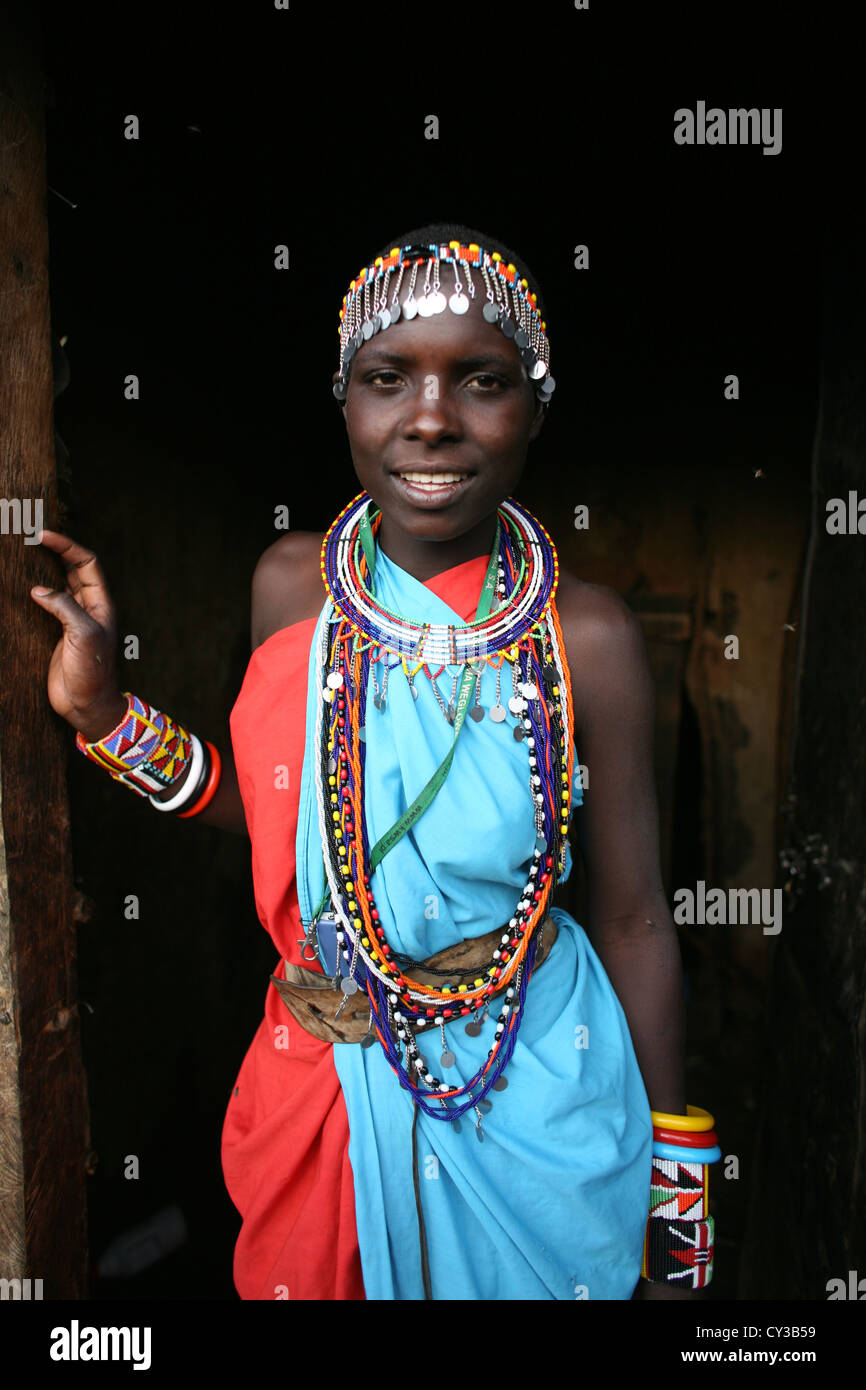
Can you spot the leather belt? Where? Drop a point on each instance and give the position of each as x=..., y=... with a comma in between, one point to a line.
x=313, y=1004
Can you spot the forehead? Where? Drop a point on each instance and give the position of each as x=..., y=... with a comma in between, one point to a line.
x=442, y=338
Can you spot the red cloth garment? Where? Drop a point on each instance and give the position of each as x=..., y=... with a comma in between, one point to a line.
x=286, y=1132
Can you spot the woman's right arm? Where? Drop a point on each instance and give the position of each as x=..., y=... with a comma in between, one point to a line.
x=82, y=680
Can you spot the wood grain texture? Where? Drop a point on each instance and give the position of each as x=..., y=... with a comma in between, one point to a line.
x=43, y=1108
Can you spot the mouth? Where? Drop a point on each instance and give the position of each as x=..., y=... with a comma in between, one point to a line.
x=424, y=485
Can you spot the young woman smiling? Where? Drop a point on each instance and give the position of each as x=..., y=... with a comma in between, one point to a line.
x=449, y=1094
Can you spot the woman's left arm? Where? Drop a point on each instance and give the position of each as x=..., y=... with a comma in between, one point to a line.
x=628, y=918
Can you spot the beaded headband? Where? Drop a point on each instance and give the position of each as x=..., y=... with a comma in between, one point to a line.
x=367, y=309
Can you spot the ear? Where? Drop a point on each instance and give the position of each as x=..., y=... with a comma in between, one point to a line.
x=538, y=419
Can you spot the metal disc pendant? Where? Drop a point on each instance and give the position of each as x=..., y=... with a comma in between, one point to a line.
x=414, y=692
x=385, y=319
x=538, y=371
x=349, y=986
x=519, y=733
x=362, y=734
x=473, y=1029
x=438, y=302
x=395, y=311
x=479, y=1133
x=490, y=312
x=447, y=1059
x=477, y=713
x=367, y=329
x=458, y=303
x=541, y=843
x=550, y=672
x=507, y=326
x=521, y=338
x=500, y=1083
x=332, y=766
x=368, y=1040
x=425, y=306
x=497, y=713
x=456, y=1125
x=517, y=704
x=410, y=307
x=450, y=713
x=485, y=1106
x=378, y=702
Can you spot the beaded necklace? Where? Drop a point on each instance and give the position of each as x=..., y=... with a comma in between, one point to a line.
x=358, y=635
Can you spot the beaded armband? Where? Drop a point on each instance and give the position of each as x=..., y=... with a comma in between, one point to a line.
x=680, y=1232
x=679, y=1252
x=149, y=752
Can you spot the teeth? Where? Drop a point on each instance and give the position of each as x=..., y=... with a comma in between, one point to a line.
x=428, y=480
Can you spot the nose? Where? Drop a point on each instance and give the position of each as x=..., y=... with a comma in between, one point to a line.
x=432, y=416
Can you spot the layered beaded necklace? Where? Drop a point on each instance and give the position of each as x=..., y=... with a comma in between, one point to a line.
x=516, y=623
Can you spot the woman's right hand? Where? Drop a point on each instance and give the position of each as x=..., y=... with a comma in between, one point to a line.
x=82, y=679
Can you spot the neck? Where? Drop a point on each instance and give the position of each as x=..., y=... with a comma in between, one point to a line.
x=425, y=559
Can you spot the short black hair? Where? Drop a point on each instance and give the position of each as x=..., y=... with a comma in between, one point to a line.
x=443, y=232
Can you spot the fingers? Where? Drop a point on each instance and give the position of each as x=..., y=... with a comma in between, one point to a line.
x=65, y=610
x=84, y=577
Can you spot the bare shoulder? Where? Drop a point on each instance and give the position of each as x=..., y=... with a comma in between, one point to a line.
x=604, y=642
x=287, y=585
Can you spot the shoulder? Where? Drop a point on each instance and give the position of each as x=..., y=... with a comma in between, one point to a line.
x=605, y=645
x=286, y=585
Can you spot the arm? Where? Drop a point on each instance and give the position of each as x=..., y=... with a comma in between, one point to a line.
x=83, y=685
x=629, y=921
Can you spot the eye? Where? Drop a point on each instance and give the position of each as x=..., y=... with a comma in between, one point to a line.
x=384, y=377
x=488, y=382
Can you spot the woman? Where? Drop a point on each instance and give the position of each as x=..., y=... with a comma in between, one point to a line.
x=400, y=803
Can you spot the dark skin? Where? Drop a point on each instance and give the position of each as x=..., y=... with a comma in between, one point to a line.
x=481, y=420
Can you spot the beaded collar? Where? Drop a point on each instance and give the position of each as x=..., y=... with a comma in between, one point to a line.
x=523, y=632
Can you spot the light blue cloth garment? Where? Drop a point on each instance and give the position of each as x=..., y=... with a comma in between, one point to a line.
x=553, y=1204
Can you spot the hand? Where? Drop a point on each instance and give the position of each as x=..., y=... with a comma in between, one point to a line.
x=82, y=681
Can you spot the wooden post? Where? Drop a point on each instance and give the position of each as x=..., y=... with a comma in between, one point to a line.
x=43, y=1106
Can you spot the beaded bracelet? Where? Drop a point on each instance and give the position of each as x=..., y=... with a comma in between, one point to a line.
x=148, y=752
x=694, y=1119
x=679, y=1252
x=680, y=1233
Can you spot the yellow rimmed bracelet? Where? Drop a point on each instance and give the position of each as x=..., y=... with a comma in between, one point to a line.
x=694, y=1121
